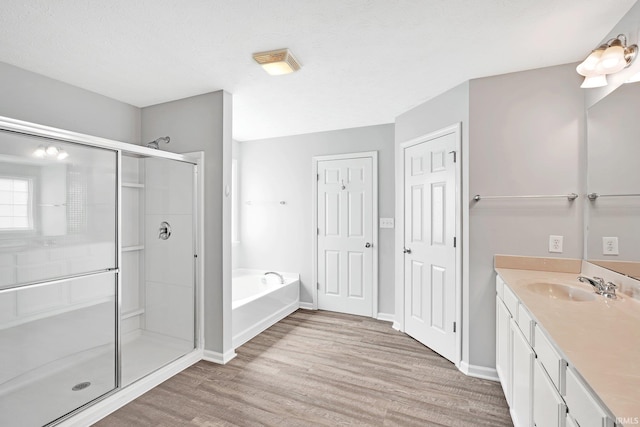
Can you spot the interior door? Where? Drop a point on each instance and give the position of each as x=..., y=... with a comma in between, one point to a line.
x=345, y=231
x=430, y=253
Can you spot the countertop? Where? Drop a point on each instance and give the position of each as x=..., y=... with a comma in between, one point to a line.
x=599, y=338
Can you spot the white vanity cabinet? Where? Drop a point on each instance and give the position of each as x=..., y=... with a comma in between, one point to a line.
x=540, y=386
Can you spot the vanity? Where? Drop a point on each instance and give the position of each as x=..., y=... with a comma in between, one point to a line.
x=565, y=356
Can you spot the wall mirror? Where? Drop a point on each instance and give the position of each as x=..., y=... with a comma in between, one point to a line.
x=613, y=181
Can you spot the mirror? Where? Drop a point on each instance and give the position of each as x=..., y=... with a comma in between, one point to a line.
x=613, y=181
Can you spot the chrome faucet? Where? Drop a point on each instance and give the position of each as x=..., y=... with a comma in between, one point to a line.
x=277, y=274
x=596, y=282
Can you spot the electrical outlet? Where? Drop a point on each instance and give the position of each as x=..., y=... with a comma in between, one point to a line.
x=386, y=223
x=610, y=246
x=555, y=244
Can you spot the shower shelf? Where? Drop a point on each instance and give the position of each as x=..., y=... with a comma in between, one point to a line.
x=132, y=248
x=132, y=185
x=132, y=313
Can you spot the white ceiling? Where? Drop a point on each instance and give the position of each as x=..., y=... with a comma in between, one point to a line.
x=364, y=62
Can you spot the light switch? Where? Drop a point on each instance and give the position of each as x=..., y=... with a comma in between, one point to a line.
x=386, y=223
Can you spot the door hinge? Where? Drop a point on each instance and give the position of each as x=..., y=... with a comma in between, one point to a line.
x=454, y=326
x=318, y=231
x=318, y=285
x=317, y=177
x=455, y=155
x=455, y=242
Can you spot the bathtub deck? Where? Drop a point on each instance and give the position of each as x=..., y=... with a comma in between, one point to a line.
x=322, y=368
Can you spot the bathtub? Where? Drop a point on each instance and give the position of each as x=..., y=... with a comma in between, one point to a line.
x=258, y=305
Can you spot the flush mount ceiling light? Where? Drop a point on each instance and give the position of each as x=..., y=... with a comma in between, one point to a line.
x=277, y=62
x=608, y=58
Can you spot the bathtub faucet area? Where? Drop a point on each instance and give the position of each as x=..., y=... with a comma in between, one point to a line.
x=277, y=274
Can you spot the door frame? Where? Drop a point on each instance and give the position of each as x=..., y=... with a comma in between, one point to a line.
x=374, y=237
x=399, y=323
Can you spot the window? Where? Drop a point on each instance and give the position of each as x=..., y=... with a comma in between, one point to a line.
x=15, y=204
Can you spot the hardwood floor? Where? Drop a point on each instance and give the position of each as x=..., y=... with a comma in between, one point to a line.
x=318, y=368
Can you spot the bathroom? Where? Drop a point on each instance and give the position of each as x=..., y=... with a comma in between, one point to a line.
x=499, y=145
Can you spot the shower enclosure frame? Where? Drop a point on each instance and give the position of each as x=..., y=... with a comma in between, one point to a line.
x=146, y=382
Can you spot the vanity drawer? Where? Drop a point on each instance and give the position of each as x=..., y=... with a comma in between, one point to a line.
x=582, y=406
x=499, y=287
x=511, y=301
x=554, y=365
x=526, y=324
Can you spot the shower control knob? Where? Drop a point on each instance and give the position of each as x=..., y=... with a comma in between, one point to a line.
x=406, y=250
x=367, y=245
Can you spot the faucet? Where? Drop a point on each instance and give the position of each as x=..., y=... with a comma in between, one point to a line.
x=277, y=274
x=156, y=143
x=607, y=290
x=596, y=282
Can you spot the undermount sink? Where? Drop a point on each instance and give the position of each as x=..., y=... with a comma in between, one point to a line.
x=561, y=292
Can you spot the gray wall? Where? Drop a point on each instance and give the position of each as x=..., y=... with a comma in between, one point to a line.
x=523, y=133
x=202, y=123
x=526, y=136
x=281, y=169
x=34, y=98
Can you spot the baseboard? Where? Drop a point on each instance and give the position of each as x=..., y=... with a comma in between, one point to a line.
x=386, y=317
x=479, y=371
x=397, y=326
x=307, y=306
x=219, y=358
x=101, y=409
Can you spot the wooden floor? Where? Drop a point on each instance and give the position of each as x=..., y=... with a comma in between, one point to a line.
x=318, y=368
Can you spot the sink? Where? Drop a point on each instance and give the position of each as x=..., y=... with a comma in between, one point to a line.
x=561, y=292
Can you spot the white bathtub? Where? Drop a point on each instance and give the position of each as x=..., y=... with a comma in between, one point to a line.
x=258, y=305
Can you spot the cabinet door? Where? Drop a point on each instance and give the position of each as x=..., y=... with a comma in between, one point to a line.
x=522, y=359
x=503, y=344
x=549, y=409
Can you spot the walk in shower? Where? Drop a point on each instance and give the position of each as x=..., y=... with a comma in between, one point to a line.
x=97, y=269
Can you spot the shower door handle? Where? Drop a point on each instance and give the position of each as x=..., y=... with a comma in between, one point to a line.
x=165, y=230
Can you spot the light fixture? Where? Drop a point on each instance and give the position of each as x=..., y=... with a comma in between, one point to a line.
x=608, y=58
x=594, y=81
x=277, y=62
x=50, y=151
x=62, y=154
x=40, y=152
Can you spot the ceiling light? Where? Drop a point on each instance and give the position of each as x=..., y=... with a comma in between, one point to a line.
x=277, y=62
x=594, y=81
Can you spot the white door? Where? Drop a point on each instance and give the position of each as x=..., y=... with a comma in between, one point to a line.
x=345, y=235
x=430, y=253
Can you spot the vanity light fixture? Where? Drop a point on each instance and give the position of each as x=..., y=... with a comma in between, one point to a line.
x=50, y=151
x=277, y=62
x=608, y=58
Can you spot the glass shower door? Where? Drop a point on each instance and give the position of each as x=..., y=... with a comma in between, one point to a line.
x=57, y=277
x=158, y=291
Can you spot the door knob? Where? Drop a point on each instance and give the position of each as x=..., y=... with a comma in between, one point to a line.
x=367, y=245
x=406, y=250
x=164, y=231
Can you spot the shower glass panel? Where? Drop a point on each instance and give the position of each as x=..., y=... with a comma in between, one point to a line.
x=58, y=277
x=158, y=292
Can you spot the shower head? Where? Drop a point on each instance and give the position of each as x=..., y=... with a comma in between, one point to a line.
x=156, y=143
